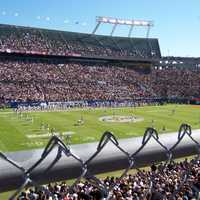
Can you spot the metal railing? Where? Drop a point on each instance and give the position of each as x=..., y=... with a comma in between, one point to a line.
x=128, y=156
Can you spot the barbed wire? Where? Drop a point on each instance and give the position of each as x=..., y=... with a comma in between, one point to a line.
x=85, y=171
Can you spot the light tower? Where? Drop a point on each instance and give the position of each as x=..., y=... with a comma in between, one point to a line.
x=131, y=23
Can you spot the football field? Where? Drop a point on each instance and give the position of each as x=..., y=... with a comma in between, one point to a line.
x=20, y=131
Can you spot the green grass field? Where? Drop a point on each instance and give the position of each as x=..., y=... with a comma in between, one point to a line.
x=15, y=130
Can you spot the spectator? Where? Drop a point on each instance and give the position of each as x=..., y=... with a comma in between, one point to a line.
x=132, y=187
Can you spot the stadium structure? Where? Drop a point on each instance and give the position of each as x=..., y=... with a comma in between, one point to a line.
x=49, y=71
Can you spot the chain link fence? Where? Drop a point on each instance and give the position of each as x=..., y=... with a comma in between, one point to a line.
x=108, y=190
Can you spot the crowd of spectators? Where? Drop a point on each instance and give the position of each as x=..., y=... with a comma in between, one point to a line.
x=175, y=82
x=46, y=81
x=38, y=80
x=40, y=41
x=35, y=80
x=166, y=183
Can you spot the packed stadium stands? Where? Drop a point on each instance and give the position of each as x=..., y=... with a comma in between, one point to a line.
x=38, y=79
x=166, y=182
x=34, y=80
x=27, y=80
x=176, y=82
x=48, y=42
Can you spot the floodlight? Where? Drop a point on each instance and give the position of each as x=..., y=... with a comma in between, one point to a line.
x=144, y=23
x=104, y=19
x=123, y=21
x=128, y=22
x=112, y=21
x=136, y=22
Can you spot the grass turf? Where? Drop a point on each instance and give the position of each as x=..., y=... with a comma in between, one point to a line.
x=15, y=128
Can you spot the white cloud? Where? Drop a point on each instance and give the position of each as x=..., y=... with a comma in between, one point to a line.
x=38, y=17
x=16, y=14
x=3, y=12
x=47, y=18
x=66, y=21
x=84, y=24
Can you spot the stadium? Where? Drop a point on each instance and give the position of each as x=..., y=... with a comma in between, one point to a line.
x=74, y=105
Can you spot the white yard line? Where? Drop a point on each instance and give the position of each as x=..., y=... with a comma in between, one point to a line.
x=3, y=113
x=47, y=135
x=76, y=109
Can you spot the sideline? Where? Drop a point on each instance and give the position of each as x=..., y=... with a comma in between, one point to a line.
x=97, y=108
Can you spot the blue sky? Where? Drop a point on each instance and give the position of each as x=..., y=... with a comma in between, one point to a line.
x=177, y=22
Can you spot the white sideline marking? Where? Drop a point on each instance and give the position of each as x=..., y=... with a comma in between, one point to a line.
x=77, y=109
x=158, y=110
x=46, y=135
x=121, y=118
x=1, y=113
x=85, y=139
x=33, y=144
